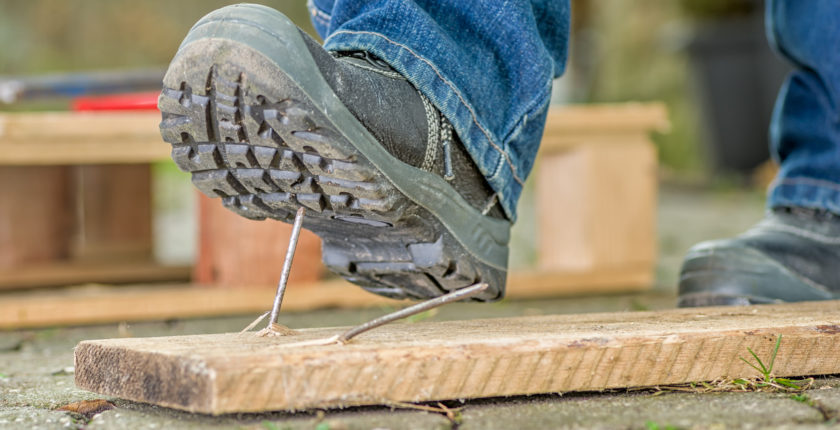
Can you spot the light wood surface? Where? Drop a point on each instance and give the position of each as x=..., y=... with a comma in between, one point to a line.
x=596, y=207
x=110, y=304
x=63, y=138
x=584, y=124
x=222, y=373
x=63, y=273
x=596, y=188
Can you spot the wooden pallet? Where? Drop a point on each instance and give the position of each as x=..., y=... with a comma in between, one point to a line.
x=111, y=304
x=73, y=138
x=80, y=209
x=222, y=373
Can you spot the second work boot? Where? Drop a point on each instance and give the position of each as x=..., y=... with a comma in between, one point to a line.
x=267, y=120
x=792, y=255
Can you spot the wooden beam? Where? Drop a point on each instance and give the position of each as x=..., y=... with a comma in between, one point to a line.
x=109, y=304
x=602, y=119
x=67, y=138
x=61, y=273
x=223, y=373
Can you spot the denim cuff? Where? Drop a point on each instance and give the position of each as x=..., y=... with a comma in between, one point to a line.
x=805, y=192
x=320, y=18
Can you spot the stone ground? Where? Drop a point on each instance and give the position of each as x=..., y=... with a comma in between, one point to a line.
x=36, y=365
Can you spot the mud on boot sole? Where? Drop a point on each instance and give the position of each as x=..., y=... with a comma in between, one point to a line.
x=260, y=137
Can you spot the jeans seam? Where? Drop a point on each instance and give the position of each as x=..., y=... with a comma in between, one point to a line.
x=808, y=181
x=451, y=86
x=497, y=170
x=532, y=106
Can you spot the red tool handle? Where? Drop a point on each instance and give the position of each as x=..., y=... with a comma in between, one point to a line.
x=128, y=101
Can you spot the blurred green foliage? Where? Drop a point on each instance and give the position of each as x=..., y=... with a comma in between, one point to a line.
x=634, y=51
x=40, y=36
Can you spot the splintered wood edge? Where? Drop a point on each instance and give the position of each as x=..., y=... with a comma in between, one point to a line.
x=460, y=359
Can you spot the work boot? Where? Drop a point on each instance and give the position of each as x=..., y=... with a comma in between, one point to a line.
x=267, y=120
x=792, y=255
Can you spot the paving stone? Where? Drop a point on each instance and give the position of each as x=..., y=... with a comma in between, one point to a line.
x=644, y=411
x=826, y=396
x=13, y=418
x=46, y=391
x=136, y=416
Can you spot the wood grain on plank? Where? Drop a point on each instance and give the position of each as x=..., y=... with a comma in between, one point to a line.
x=224, y=373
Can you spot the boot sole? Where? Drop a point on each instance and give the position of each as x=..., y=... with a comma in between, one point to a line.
x=250, y=117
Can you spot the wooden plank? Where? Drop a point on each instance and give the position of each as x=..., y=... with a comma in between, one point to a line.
x=65, y=138
x=223, y=373
x=109, y=304
x=61, y=273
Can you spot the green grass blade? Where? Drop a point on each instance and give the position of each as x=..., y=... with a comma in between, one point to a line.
x=787, y=383
x=775, y=351
x=751, y=365
x=763, y=369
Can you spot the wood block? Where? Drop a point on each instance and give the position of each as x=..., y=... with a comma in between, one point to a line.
x=66, y=138
x=223, y=373
x=597, y=206
x=596, y=190
x=34, y=222
x=238, y=252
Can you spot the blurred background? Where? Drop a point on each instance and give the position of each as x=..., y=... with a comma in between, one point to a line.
x=706, y=60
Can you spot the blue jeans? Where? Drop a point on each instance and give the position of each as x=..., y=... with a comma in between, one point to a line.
x=488, y=69
x=805, y=131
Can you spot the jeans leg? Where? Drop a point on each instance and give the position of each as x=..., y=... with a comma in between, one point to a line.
x=487, y=66
x=805, y=130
